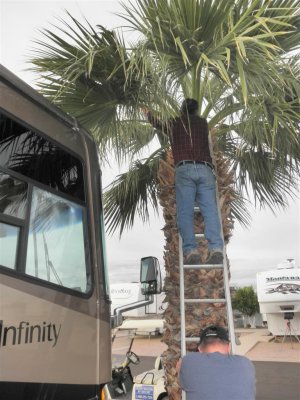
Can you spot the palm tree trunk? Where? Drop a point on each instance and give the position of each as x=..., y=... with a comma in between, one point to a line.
x=198, y=284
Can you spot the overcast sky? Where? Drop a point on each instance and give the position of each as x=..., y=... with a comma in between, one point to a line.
x=271, y=238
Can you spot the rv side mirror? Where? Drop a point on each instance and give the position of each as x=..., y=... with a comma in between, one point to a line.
x=150, y=276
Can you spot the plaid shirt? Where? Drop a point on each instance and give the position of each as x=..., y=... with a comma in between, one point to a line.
x=188, y=136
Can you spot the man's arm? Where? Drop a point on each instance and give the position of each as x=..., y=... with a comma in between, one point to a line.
x=180, y=369
x=156, y=122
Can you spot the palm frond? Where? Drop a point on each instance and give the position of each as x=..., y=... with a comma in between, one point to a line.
x=131, y=194
x=227, y=38
x=273, y=183
x=236, y=57
x=240, y=210
x=92, y=76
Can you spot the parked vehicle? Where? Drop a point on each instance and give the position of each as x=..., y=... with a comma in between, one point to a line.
x=150, y=385
x=278, y=292
x=55, y=322
x=122, y=356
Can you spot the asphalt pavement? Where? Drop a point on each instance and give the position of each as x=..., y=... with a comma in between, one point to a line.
x=277, y=380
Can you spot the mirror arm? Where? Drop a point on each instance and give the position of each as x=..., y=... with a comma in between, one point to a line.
x=117, y=319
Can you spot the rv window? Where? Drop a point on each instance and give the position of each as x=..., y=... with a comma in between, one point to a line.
x=13, y=196
x=9, y=237
x=42, y=234
x=13, y=199
x=26, y=152
x=56, y=243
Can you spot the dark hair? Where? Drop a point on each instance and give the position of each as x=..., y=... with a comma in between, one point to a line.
x=189, y=106
x=213, y=334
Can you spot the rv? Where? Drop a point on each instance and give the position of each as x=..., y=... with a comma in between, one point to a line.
x=55, y=322
x=278, y=293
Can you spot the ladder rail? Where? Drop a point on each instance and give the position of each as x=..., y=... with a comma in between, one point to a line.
x=230, y=323
x=229, y=308
x=182, y=305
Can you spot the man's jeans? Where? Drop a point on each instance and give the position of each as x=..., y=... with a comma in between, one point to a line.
x=196, y=183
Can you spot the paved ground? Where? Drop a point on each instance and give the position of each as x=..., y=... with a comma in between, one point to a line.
x=256, y=344
x=277, y=380
x=259, y=345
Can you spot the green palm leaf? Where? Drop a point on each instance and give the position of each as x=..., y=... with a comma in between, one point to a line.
x=238, y=58
x=132, y=193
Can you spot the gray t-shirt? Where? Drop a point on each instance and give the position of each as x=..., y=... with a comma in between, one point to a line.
x=216, y=376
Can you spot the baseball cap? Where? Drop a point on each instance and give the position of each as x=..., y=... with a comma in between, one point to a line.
x=214, y=331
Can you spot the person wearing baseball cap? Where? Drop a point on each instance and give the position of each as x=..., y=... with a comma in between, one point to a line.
x=212, y=373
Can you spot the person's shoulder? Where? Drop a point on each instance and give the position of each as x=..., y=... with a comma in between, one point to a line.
x=192, y=118
x=242, y=360
x=198, y=121
x=202, y=119
x=192, y=356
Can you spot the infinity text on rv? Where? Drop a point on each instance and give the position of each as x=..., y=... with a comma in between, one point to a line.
x=25, y=333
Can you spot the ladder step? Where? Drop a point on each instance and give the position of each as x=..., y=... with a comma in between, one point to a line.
x=204, y=266
x=205, y=300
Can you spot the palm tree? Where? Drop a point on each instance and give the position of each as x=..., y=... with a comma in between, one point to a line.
x=238, y=59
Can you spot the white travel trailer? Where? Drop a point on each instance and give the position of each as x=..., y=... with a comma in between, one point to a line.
x=126, y=293
x=278, y=293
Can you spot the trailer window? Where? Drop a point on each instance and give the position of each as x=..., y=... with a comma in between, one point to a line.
x=56, y=243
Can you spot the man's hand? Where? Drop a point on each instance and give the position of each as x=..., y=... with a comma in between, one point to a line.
x=178, y=365
x=144, y=110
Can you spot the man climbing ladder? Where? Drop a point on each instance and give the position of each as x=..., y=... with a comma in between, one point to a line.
x=195, y=181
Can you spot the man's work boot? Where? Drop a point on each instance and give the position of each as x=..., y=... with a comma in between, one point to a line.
x=215, y=257
x=192, y=258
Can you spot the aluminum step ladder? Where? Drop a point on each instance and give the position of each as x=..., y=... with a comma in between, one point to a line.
x=184, y=301
x=224, y=266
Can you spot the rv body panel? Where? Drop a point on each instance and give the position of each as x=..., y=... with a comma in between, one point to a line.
x=55, y=337
x=47, y=341
x=278, y=293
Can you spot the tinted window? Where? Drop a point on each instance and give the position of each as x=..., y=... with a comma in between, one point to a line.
x=29, y=154
x=13, y=196
x=13, y=201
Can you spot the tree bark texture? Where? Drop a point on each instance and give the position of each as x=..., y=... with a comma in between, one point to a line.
x=198, y=283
